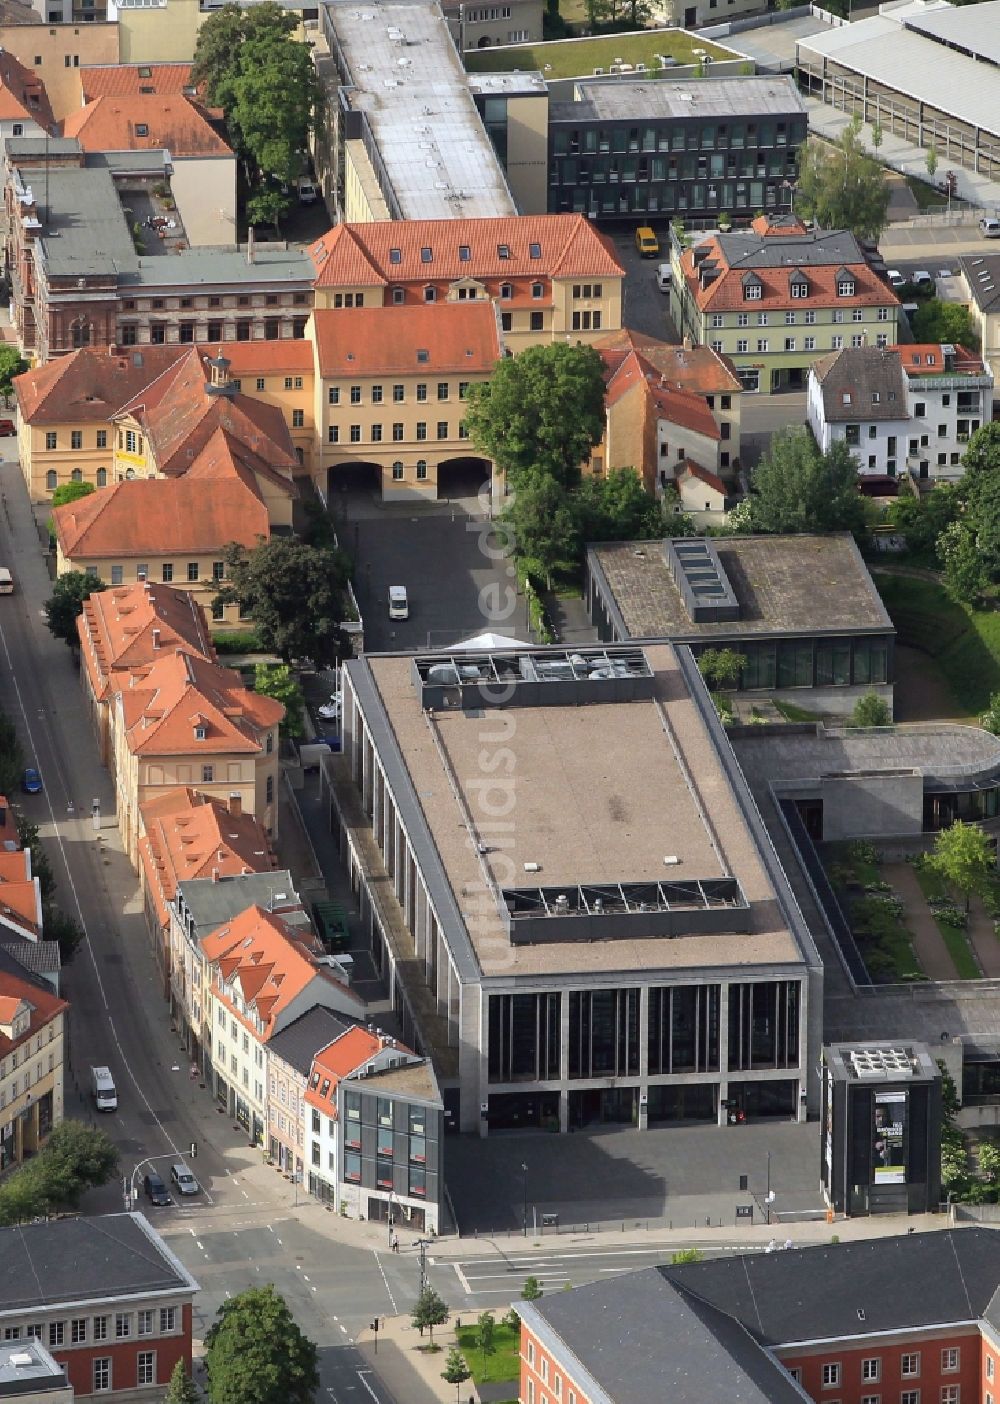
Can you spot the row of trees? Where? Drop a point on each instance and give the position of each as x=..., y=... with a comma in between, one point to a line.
x=75, y=1158
x=264, y=80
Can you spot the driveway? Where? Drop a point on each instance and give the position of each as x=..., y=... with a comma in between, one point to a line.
x=646, y=308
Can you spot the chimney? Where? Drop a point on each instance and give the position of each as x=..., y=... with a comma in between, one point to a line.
x=250, y=247
x=156, y=638
x=236, y=804
x=215, y=875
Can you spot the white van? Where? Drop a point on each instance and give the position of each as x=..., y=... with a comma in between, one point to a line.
x=6, y=581
x=103, y=1087
x=399, y=605
x=664, y=277
x=989, y=228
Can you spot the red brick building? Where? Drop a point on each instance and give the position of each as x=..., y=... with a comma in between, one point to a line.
x=913, y=1319
x=105, y=1296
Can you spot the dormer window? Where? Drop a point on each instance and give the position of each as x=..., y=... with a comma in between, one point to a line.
x=799, y=285
x=464, y=253
x=753, y=292
x=845, y=286
x=395, y=256
x=506, y=291
x=876, y=397
x=537, y=290
x=534, y=250
x=503, y=251
x=426, y=255
x=423, y=356
x=930, y=358
x=200, y=732
x=847, y=397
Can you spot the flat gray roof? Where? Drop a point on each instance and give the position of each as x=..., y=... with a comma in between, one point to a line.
x=884, y=51
x=212, y=903
x=411, y=85
x=84, y=228
x=975, y=30
x=222, y=266
x=939, y=751
x=695, y=98
x=771, y=44
x=785, y=585
x=602, y=793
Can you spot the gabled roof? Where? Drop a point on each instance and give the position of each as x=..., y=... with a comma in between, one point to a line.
x=297, y=1043
x=22, y=94
x=690, y=469
x=339, y=1058
x=436, y=337
x=697, y=369
x=632, y=372
x=863, y=382
x=271, y=961
x=20, y=894
x=17, y=990
x=929, y=359
x=182, y=694
x=292, y=354
x=568, y=247
x=135, y=79
x=190, y=835
x=160, y=516
x=141, y=122
x=129, y=626
x=90, y=385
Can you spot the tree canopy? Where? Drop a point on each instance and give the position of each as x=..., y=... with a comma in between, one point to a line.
x=12, y=364
x=75, y=1158
x=841, y=187
x=264, y=80
x=65, y=604
x=936, y=322
x=796, y=488
x=964, y=857
x=969, y=546
x=429, y=1310
x=278, y=681
x=256, y=1354
x=541, y=411
x=71, y=492
x=182, y=1388
x=295, y=594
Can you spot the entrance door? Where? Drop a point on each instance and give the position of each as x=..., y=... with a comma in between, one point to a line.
x=690, y=17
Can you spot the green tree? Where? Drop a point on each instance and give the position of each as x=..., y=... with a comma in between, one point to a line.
x=429, y=1311
x=841, y=187
x=65, y=604
x=486, y=1329
x=954, y=1161
x=871, y=710
x=686, y=1255
x=969, y=547
x=938, y=321
x=71, y=492
x=65, y=930
x=990, y=719
x=75, y=1158
x=11, y=756
x=12, y=364
x=676, y=521
x=532, y=1290
x=540, y=412
x=278, y=681
x=721, y=667
x=988, y=1156
x=544, y=531
x=964, y=857
x=182, y=1388
x=23, y=1196
x=295, y=594
x=877, y=135
x=966, y=572
x=617, y=508
x=920, y=518
x=456, y=1371
x=798, y=489
x=267, y=205
x=256, y=1354
x=931, y=160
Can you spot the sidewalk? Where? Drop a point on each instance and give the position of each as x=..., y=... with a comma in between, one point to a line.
x=414, y=1376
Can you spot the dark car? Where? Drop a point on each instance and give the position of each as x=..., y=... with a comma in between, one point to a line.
x=31, y=782
x=156, y=1190
x=7, y=429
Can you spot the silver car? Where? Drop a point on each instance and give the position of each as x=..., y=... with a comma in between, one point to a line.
x=181, y=1176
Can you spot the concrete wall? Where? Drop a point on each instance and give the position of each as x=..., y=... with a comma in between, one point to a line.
x=205, y=191
x=527, y=152
x=872, y=805
x=167, y=34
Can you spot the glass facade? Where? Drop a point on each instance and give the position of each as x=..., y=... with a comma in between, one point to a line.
x=603, y=1033
x=524, y=1037
x=823, y=662
x=683, y=1033
x=764, y=1025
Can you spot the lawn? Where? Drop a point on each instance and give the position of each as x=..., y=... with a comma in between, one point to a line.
x=575, y=58
x=505, y=1361
x=935, y=889
x=964, y=642
x=793, y=713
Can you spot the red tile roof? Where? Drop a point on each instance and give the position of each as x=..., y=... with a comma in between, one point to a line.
x=130, y=626
x=439, y=337
x=928, y=359
x=192, y=835
x=343, y=1056
x=568, y=247
x=22, y=94
x=90, y=385
x=150, y=517
x=273, y=962
x=20, y=894
x=146, y=123
x=181, y=694
x=251, y=358
x=44, y=1006
x=697, y=369
x=725, y=292
x=675, y=405
x=690, y=469
x=133, y=79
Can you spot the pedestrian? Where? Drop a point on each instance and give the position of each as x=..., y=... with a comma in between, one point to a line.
x=395, y=1243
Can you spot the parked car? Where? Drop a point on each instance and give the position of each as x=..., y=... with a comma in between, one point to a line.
x=989, y=228
x=896, y=279
x=31, y=781
x=664, y=277
x=330, y=711
x=646, y=242
x=156, y=1190
x=308, y=194
x=399, y=605
x=7, y=428
x=922, y=279
x=181, y=1176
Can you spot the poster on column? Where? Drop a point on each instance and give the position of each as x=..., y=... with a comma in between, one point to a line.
x=889, y=1138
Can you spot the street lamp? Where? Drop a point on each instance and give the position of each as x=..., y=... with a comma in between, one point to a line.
x=524, y=1210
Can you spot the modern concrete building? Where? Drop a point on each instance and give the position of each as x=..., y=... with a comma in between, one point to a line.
x=981, y=275
x=642, y=965
x=923, y=70
x=776, y=296
x=688, y=150
x=802, y=610
x=404, y=140
x=904, y=410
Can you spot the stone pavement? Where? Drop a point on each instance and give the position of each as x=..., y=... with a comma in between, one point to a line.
x=928, y=943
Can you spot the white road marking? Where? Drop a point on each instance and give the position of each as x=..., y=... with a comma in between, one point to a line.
x=361, y=1377
x=344, y=1329
x=381, y=1269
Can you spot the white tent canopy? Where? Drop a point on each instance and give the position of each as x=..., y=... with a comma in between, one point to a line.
x=489, y=643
